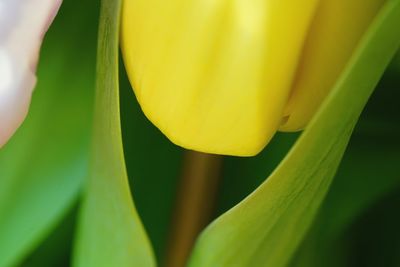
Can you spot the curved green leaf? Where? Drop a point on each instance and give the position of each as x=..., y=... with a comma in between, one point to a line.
x=363, y=179
x=43, y=166
x=266, y=228
x=151, y=160
x=110, y=233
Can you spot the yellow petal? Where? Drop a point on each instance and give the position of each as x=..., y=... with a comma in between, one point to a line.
x=214, y=75
x=334, y=34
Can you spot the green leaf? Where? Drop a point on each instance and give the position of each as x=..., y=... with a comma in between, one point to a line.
x=151, y=160
x=56, y=249
x=266, y=228
x=110, y=233
x=43, y=166
x=363, y=179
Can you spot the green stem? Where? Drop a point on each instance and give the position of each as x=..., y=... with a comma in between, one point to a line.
x=194, y=205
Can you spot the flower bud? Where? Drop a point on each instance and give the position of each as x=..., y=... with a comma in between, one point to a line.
x=223, y=76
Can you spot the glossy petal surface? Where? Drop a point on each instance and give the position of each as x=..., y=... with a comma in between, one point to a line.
x=214, y=76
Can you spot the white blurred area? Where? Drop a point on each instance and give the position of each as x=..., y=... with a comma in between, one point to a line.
x=23, y=24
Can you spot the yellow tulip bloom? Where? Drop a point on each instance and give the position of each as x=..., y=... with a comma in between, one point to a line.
x=222, y=76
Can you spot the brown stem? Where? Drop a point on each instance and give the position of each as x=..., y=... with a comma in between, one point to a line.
x=194, y=206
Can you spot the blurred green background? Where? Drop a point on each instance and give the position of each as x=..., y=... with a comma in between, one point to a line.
x=43, y=168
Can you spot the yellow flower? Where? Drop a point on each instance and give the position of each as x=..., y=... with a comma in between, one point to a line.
x=222, y=76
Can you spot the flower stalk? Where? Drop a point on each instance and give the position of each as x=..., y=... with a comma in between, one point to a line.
x=194, y=204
